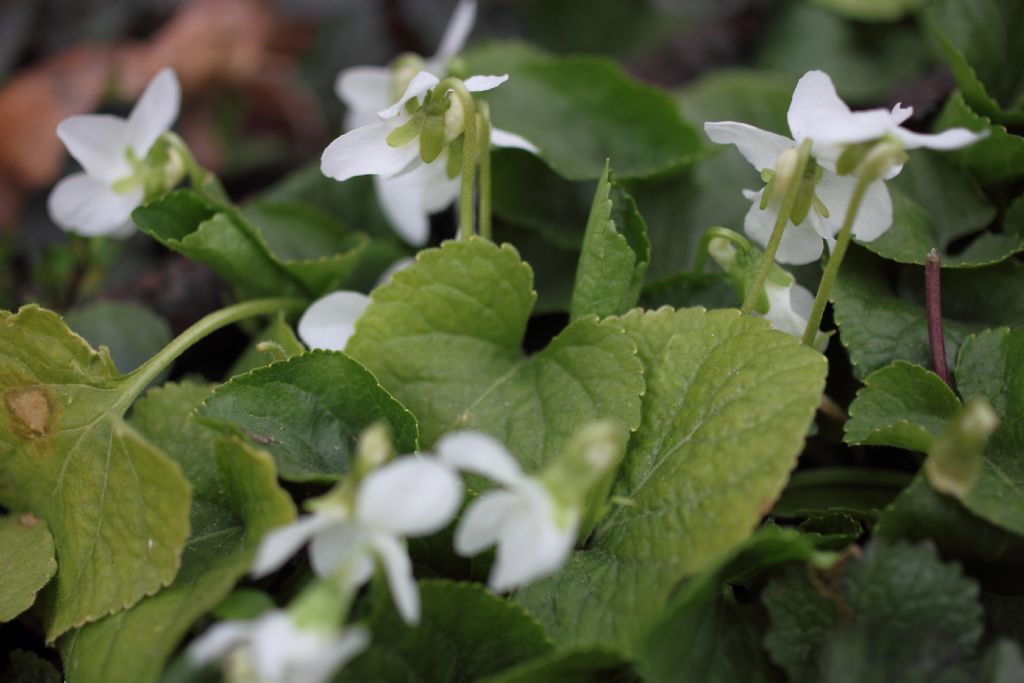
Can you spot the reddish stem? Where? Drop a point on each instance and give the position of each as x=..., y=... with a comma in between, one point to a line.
x=933, y=304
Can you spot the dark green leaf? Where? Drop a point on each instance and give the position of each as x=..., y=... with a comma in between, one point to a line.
x=308, y=412
x=569, y=666
x=132, y=333
x=997, y=158
x=857, y=491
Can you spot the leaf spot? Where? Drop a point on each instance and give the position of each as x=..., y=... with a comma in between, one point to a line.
x=29, y=407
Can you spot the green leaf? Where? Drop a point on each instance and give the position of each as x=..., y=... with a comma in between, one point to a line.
x=707, y=634
x=28, y=667
x=615, y=255
x=871, y=10
x=569, y=666
x=224, y=239
x=920, y=513
x=116, y=505
x=981, y=42
x=581, y=111
x=132, y=333
x=699, y=474
x=898, y=592
x=27, y=563
x=997, y=158
x=465, y=633
x=857, y=491
x=308, y=412
x=901, y=405
x=231, y=513
x=444, y=336
x=991, y=364
x=936, y=206
x=878, y=327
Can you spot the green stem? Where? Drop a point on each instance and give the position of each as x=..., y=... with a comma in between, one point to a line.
x=705, y=242
x=763, y=268
x=835, y=260
x=199, y=178
x=484, y=123
x=141, y=377
x=469, y=157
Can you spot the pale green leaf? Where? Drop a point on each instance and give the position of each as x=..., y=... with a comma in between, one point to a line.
x=116, y=505
x=27, y=562
x=444, y=336
x=700, y=472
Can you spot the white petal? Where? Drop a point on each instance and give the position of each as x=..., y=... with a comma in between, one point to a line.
x=954, y=138
x=900, y=113
x=398, y=568
x=439, y=191
x=482, y=521
x=399, y=265
x=364, y=87
x=759, y=147
x=832, y=130
x=411, y=496
x=155, y=112
x=874, y=216
x=279, y=646
x=481, y=454
x=331, y=320
x=333, y=654
x=800, y=243
x=341, y=544
x=457, y=31
x=218, y=641
x=781, y=313
x=408, y=199
x=87, y=206
x=420, y=84
x=814, y=98
x=483, y=83
x=532, y=545
x=98, y=142
x=278, y=546
x=365, y=151
x=508, y=140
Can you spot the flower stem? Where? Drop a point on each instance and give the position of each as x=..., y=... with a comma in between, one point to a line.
x=199, y=178
x=757, y=284
x=835, y=260
x=484, y=123
x=140, y=378
x=705, y=241
x=933, y=305
x=469, y=153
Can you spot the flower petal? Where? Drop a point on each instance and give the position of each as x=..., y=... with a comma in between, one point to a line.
x=342, y=543
x=218, y=641
x=899, y=113
x=509, y=140
x=759, y=147
x=408, y=199
x=874, y=216
x=332, y=656
x=481, y=454
x=98, y=142
x=399, y=265
x=532, y=544
x=814, y=98
x=364, y=87
x=834, y=130
x=155, y=112
x=954, y=138
x=483, y=83
x=421, y=83
x=457, y=31
x=365, y=151
x=781, y=313
x=411, y=496
x=800, y=243
x=331, y=320
x=87, y=206
x=398, y=568
x=278, y=546
x=482, y=521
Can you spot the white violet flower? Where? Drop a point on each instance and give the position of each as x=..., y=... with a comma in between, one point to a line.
x=817, y=113
x=533, y=531
x=408, y=497
x=274, y=649
x=112, y=151
x=409, y=198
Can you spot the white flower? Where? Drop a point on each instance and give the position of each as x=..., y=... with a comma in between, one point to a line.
x=273, y=649
x=409, y=198
x=365, y=90
x=817, y=113
x=331, y=320
x=533, y=532
x=99, y=201
x=408, y=497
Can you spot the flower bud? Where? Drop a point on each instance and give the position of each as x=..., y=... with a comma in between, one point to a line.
x=955, y=460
